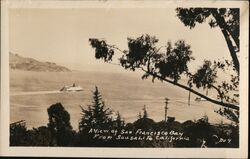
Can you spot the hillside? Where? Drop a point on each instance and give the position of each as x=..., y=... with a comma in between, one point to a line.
x=18, y=62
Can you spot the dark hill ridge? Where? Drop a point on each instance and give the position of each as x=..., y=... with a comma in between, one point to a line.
x=29, y=64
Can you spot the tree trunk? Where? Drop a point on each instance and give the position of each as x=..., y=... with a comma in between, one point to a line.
x=221, y=22
x=232, y=51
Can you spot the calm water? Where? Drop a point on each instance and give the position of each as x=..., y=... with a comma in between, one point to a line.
x=31, y=93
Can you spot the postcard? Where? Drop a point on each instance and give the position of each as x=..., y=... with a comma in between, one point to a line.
x=152, y=79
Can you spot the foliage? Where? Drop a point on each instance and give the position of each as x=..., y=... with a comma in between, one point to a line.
x=169, y=66
x=18, y=135
x=170, y=63
x=96, y=115
x=41, y=136
x=102, y=51
x=205, y=76
x=198, y=131
x=118, y=123
x=144, y=122
x=59, y=125
x=59, y=131
x=230, y=114
x=227, y=19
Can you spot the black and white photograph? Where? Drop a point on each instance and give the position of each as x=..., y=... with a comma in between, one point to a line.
x=115, y=75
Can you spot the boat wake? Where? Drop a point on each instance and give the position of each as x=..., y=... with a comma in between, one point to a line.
x=34, y=93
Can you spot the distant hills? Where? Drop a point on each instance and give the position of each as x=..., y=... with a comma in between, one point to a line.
x=29, y=64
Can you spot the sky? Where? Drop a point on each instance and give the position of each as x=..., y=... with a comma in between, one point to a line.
x=61, y=35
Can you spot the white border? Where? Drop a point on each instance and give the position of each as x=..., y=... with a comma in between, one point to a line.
x=123, y=152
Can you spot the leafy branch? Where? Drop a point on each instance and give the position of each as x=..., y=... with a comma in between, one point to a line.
x=227, y=19
x=168, y=65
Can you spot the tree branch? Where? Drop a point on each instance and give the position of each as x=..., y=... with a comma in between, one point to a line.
x=160, y=48
x=114, y=47
x=227, y=105
x=219, y=92
x=236, y=40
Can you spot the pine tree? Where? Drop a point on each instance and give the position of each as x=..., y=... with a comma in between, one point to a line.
x=143, y=122
x=96, y=115
x=119, y=122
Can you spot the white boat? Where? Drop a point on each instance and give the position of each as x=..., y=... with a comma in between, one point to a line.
x=199, y=99
x=72, y=88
